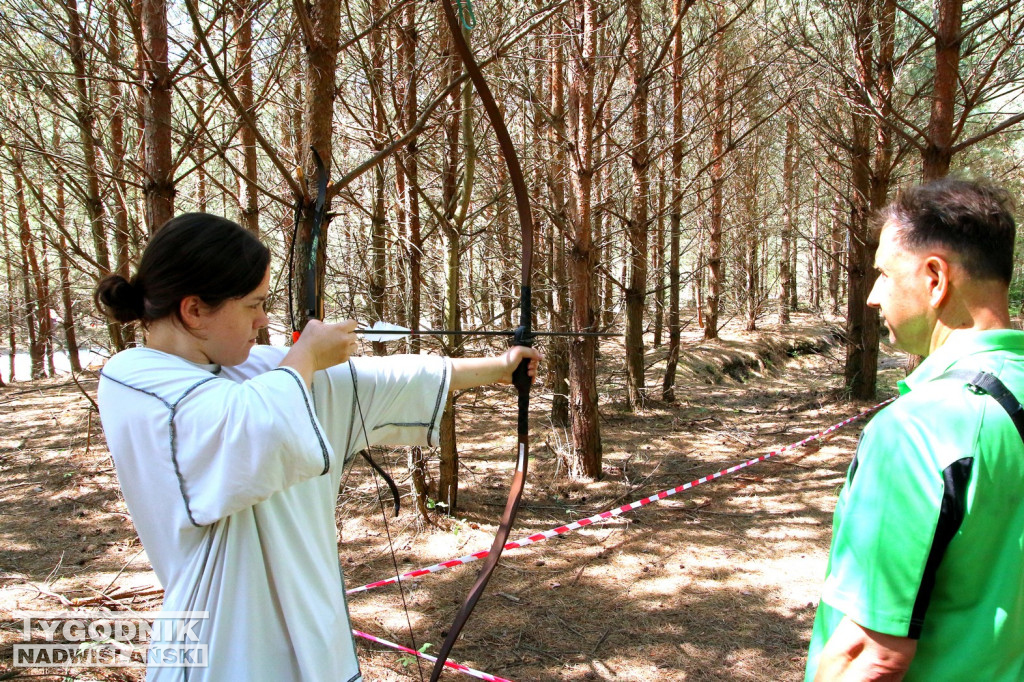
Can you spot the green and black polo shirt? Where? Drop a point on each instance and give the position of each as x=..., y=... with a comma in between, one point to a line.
x=928, y=536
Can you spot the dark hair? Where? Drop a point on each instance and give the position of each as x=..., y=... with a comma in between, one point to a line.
x=970, y=218
x=194, y=254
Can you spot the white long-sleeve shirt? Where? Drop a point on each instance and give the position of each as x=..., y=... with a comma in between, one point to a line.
x=231, y=476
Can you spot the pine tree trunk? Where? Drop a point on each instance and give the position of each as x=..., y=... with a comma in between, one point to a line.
x=321, y=28
x=85, y=118
x=378, y=210
x=862, y=323
x=448, y=481
x=838, y=259
x=606, y=190
x=122, y=231
x=668, y=391
x=410, y=168
x=659, y=253
x=558, y=358
x=715, y=263
x=46, y=308
x=65, y=282
x=938, y=151
x=788, y=201
x=248, y=188
x=29, y=275
x=585, y=459
x=636, y=290
x=814, y=255
x=159, y=183
x=12, y=316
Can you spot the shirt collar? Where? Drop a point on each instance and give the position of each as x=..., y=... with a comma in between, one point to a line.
x=960, y=344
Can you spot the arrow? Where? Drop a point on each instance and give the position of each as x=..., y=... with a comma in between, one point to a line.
x=382, y=332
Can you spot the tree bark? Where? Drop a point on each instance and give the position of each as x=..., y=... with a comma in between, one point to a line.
x=862, y=322
x=70, y=337
x=676, y=210
x=636, y=289
x=85, y=118
x=558, y=362
x=938, y=150
x=159, y=185
x=813, y=251
x=659, y=252
x=788, y=205
x=585, y=459
x=378, y=210
x=320, y=21
x=836, y=246
x=122, y=230
x=12, y=321
x=30, y=275
x=448, y=480
x=715, y=263
x=410, y=168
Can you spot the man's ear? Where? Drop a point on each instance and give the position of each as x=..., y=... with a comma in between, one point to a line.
x=937, y=271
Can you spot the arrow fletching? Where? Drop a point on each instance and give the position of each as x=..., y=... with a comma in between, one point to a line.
x=381, y=332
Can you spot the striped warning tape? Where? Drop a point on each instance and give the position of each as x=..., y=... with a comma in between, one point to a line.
x=448, y=664
x=618, y=511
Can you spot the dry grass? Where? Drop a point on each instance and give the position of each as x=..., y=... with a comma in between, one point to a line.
x=717, y=583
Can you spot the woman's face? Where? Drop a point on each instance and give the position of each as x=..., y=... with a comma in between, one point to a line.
x=227, y=333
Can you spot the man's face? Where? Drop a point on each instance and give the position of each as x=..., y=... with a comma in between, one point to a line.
x=903, y=293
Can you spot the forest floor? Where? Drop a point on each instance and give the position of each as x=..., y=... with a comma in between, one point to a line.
x=718, y=582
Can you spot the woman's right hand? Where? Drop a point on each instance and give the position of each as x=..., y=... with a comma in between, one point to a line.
x=321, y=345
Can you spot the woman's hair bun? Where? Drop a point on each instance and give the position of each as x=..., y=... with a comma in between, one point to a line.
x=119, y=299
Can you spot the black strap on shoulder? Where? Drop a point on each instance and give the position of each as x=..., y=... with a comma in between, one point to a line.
x=990, y=384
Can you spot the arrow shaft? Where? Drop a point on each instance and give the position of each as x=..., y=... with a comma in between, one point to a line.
x=452, y=332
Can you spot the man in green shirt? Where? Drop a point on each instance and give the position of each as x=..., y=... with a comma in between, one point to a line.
x=926, y=570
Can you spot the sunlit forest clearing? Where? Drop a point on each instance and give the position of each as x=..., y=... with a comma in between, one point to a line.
x=696, y=180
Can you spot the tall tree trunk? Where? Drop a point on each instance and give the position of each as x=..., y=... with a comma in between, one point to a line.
x=85, y=118
x=752, y=238
x=668, y=392
x=659, y=252
x=715, y=263
x=30, y=275
x=248, y=191
x=788, y=206
x=448, y=481
x=558, y=362
x=881, y=176
x=836, y=244
x=378, y=210
x=242, y=11
x=636, y=290
x=122, y=230
x=585, y=459
x=410, y=165
x=202, y=193
x=407, y=180
x=814, y=250
x=12, y=316
x=65, y=281
x=938, y=151
x=321, y=27
x=861, y=322
x=46, y=316
x=159, y=186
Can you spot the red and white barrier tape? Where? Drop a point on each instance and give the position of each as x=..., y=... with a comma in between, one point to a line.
x=618, y=511
x=448, y=664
